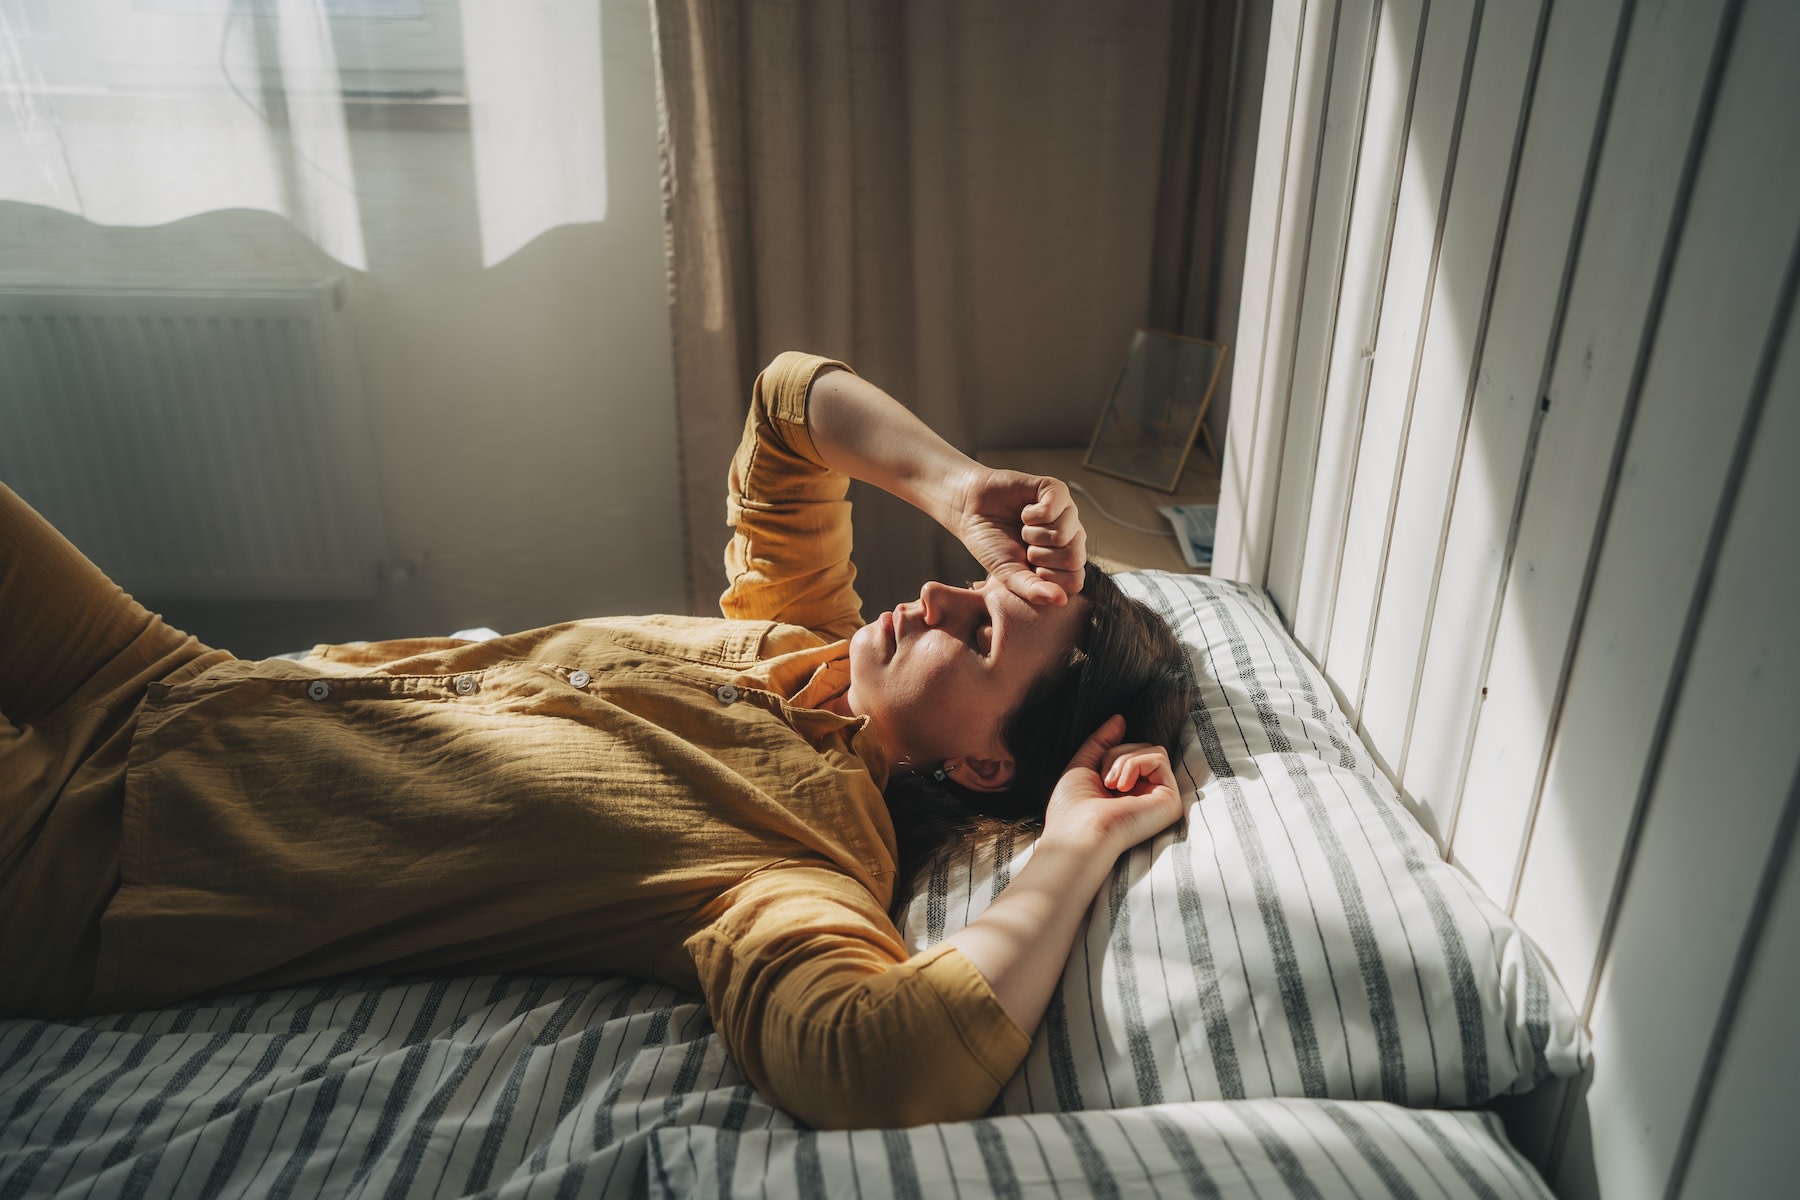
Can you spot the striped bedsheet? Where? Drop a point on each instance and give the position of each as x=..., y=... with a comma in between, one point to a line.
x=1297, y=934
x=508, y=1086
x=1255, y=1149
x=502, y=1086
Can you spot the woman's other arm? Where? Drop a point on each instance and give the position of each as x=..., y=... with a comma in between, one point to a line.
x=818, y=1003
x=1023, y=529
x=1112, y=797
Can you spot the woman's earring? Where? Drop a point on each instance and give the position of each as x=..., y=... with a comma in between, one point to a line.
x=942, y=773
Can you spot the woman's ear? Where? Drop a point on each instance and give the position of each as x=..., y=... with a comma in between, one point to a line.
x=981, y=774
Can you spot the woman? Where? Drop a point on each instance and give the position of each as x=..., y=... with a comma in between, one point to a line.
x=691, y=800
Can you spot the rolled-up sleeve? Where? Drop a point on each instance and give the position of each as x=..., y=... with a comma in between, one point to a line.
x=789, y=554
x=815, y=998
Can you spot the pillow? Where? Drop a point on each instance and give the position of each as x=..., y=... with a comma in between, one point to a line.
x=1254, y=1150
x=1297, y=934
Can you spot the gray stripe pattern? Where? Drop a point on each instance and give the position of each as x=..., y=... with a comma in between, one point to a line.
x=498, y=1086
x=1266, y=1149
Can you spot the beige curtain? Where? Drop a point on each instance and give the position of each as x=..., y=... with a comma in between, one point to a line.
x=972, y=202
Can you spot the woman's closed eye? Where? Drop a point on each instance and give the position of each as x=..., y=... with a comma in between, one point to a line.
x=982, y=637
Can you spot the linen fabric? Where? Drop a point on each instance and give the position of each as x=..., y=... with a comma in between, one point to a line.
x=1236, y=1150
x=661, y=797
x=520, y=1086
x=1297, y=934
x=76, y=654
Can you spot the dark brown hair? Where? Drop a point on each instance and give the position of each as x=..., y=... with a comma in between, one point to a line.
x=1125, y=659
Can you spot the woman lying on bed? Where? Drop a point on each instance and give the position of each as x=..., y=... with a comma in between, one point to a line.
x=698, y=801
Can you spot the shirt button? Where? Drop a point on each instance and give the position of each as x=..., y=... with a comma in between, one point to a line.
x=465, y=685
x=318, y=689
x=579, y=679
x=727, y=693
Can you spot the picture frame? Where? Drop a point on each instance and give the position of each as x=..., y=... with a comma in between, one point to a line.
x=1157, y=408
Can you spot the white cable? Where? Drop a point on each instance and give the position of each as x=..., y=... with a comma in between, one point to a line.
x=1101, y=509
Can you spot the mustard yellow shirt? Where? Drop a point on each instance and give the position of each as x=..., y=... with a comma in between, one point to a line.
x=657, y=796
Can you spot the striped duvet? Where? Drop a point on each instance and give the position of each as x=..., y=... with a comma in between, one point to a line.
x=1296, y=937
x=563, y=1088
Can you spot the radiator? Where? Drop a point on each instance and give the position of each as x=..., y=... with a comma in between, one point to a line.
x=195, y=444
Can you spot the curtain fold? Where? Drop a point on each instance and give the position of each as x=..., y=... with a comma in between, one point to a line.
x=974, y=203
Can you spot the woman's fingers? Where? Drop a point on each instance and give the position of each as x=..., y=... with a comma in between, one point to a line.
x=1024, y=582
x=1025, y=530
x=1051, y=532
x=1098, y=744
x=1125, y=766
x=1048, y=536
x=1054, y=502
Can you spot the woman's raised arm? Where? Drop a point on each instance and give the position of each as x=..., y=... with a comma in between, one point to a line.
x=1023, y=529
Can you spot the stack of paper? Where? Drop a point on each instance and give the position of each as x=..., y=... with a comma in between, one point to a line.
x=1194, y=525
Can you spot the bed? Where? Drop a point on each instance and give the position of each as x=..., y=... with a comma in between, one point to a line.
x=1287, y=994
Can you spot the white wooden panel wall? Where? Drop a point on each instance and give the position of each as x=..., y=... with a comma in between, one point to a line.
x=1514, y=443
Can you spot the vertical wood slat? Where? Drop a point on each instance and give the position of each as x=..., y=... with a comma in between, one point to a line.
x=1615, y=290
x=1724, y=285
x=1624, y=778
x=1439, y=76
x=1742, y=1133
x=1549, y=207
x=1385, y=117
x=1492, y=136
x=1726, y=770
x=1340, y=153
x=1293, y=87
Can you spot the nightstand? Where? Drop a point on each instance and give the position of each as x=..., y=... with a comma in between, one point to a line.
x=1111, y=545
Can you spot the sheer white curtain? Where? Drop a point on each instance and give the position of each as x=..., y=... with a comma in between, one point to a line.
x=141, y=112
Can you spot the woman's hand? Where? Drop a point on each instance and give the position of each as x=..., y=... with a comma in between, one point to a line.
x=1112, y=797
x=1024, y=530
x=1114, y=794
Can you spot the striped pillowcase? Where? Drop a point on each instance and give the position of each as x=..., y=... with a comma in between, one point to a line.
x=1253, y=1149
x=1297, y=934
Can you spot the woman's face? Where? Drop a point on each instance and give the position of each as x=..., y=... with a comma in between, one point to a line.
x=937, y=676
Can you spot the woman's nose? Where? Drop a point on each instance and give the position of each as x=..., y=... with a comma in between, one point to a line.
x=943, y=603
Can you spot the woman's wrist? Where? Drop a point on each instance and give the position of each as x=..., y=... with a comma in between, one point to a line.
x=1021, y=942
x=1079, y=865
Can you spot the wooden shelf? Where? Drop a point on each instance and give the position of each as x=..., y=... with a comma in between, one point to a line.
x=1113, y=546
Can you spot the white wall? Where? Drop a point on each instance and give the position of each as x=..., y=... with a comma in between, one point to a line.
x=1514, y=413
x=522, y=414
